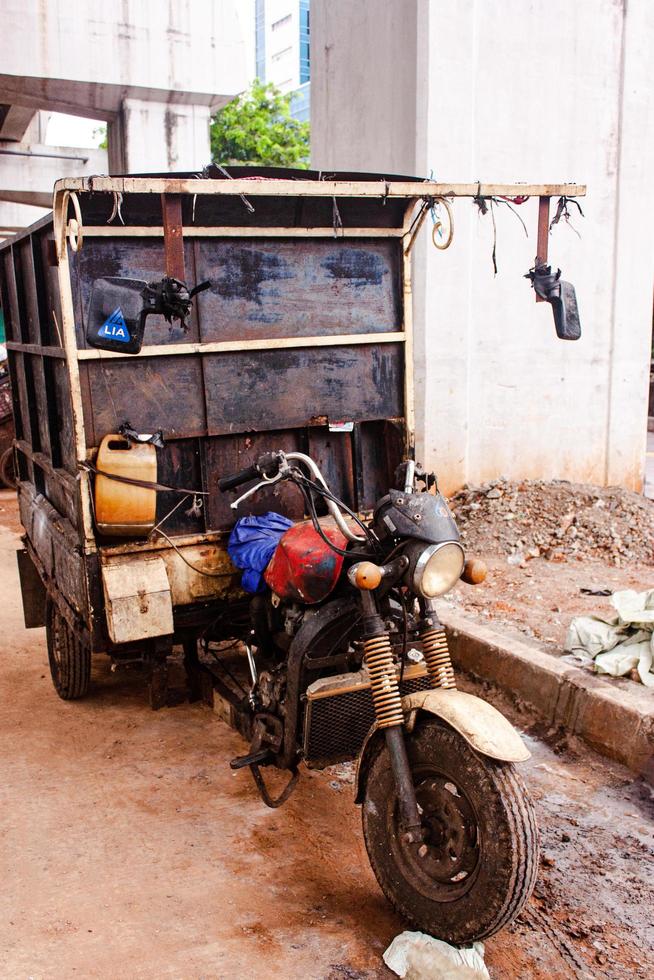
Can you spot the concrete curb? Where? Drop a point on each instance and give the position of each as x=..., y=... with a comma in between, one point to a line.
x=615, y=717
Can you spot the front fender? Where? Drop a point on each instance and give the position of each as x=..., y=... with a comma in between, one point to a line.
x=482, y=726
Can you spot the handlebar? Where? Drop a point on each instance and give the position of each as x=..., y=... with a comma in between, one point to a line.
x=266, y=466
x=243, y=476
x=275, y=466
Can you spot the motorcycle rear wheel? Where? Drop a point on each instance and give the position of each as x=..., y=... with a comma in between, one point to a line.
x=68, y=654
x=481, y=838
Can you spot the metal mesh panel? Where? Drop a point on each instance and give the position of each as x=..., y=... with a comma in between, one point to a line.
x=335, y=726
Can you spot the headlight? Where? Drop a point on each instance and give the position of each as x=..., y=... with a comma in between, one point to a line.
x=436, y=568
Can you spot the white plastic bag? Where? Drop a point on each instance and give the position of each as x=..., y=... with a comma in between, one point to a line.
x=621, y=643
x=416, y=956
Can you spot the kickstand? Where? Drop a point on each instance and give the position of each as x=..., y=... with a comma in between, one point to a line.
x=265, y=795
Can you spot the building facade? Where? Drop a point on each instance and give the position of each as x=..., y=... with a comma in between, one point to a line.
x=282, y=49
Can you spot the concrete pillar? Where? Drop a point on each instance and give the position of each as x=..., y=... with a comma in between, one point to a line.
x=546, y=92
x=160, y=136
x=363, y=109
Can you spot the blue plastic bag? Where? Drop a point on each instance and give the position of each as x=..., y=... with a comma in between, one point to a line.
x=252, y=544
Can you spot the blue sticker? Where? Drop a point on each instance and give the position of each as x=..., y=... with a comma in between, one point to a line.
x=115, y=328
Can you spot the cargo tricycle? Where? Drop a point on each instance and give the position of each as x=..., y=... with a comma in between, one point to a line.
x=212, y=385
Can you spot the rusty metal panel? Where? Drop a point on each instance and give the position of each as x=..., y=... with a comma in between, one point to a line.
x=297, y=288
x=171, y=209
x=227, y=454
x=157, y=393
x=260, y=390
x=382, y=450
x=332, y=452
x=179, y=465
x=132, y=258
x=212, y=576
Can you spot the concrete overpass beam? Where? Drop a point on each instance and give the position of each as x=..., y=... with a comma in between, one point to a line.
x=15, y=120
x=15, y=217
x=34, y=170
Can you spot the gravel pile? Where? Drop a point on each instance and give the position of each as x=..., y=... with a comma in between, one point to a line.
x=556, y=520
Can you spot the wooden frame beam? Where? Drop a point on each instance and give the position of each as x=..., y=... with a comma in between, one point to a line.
x=232, y=231
x=265, y=187
x=45, y=463
x=35, y=349
x=225, y=346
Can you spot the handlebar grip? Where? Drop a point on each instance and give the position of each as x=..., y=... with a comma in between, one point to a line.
x=244, y=476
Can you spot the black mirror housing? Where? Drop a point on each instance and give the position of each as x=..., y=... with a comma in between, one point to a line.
x=566, y=312
x=119, y=307
x=562, y=298
x=117, y=312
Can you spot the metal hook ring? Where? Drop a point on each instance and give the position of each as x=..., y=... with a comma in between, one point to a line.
x=441, y=246
x=74, y=227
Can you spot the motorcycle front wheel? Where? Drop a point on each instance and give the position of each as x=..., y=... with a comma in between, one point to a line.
x=478, y=863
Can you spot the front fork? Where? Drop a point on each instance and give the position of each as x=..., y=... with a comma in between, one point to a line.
x=387, y=698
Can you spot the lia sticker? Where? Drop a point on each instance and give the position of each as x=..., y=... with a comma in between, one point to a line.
x=115, y=328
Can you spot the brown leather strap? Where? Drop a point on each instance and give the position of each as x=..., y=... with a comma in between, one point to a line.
x=145, y=484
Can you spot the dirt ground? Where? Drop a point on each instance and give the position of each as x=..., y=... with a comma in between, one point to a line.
x=545, y=541
x=131, y=850
x=556, y=519
x=540, y=599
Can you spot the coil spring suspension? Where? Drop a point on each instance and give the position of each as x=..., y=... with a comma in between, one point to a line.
x=383, y=681
x=437, y=657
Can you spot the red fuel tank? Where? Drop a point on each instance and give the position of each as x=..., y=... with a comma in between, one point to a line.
x=304, y=568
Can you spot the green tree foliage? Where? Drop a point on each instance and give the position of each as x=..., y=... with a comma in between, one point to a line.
x=100, y=133
x=257, y=128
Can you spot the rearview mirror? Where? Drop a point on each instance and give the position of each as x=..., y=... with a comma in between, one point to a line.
x=117, y=314
x=562, y=298
x=566, y=312
x=118, y=309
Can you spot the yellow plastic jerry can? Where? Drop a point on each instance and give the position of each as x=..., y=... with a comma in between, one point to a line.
x=121, y=509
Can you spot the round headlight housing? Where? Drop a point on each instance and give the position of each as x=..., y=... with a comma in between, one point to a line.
x=436, y=568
